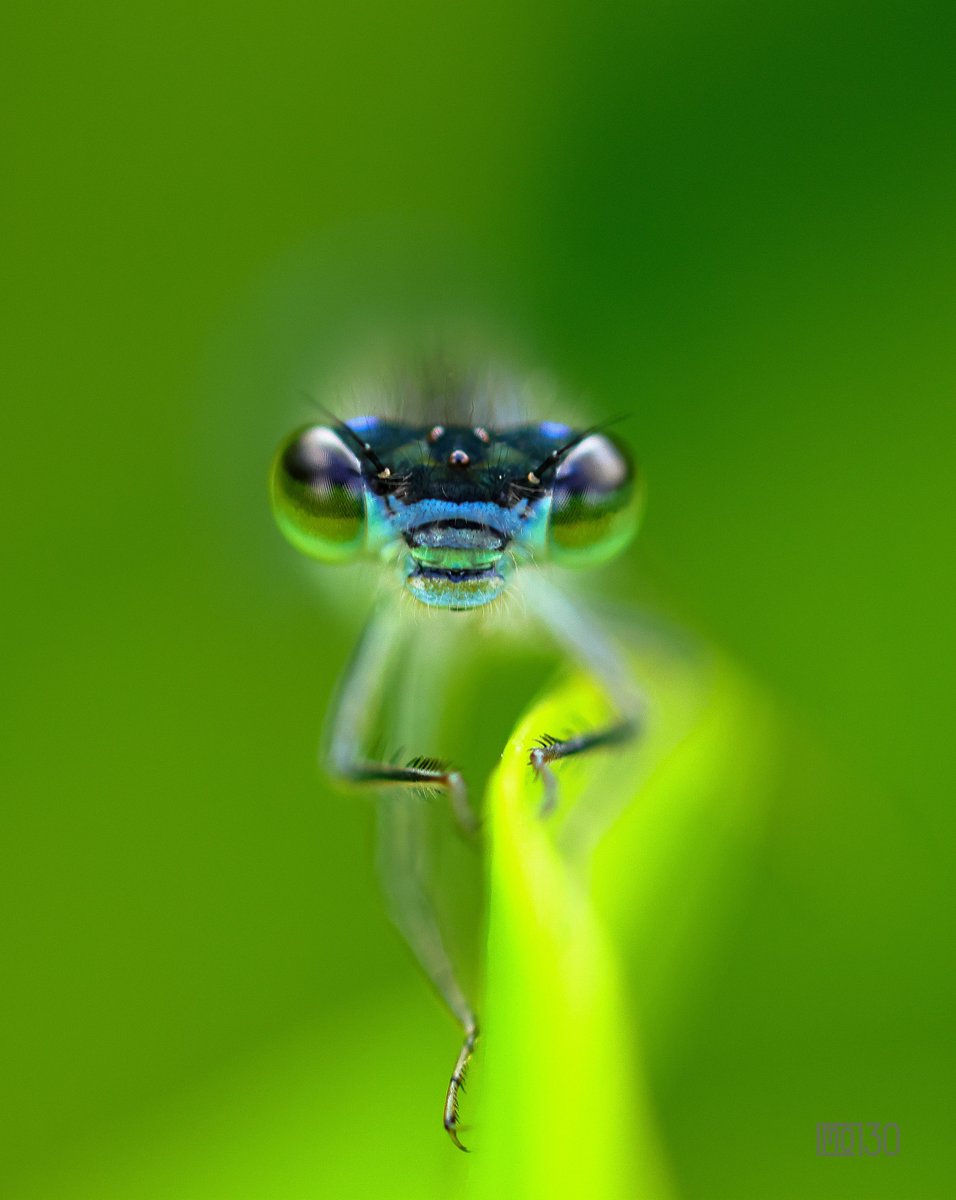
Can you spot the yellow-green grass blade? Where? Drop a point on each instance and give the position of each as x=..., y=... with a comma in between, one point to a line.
x=561, y=1105
x=561, y=1111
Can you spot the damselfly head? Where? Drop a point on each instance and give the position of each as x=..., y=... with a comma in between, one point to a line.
x=460, y=506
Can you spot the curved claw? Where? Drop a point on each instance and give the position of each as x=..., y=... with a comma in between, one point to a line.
x=457, y=1084
x=451, y=1128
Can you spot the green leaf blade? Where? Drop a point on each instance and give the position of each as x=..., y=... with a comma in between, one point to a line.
x=561, y=1111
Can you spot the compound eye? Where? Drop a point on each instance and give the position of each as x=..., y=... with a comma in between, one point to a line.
x=595, y=503
x=318, y=497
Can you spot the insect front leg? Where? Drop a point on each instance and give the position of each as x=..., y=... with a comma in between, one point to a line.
x=402, y=844
x=550, y=749
x=585, y=641
x=347, y=731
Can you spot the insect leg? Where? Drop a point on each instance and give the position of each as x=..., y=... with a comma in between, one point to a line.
x=585, y=641
x=402, y=854
x=402, y=862
x=457, y=1083
x=347, y=731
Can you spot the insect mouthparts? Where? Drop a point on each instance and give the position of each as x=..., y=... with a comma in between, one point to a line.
x=456, y=534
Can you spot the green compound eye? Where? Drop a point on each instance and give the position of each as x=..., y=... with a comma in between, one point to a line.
x=318, y=496
x=595, y=504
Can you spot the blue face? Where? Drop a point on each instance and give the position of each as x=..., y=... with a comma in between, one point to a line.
x=460, y=507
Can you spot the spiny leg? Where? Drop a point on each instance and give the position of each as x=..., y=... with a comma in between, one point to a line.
x=583, y=638
x=402, y=857
x=402, y=862
x=420, y=774
x=550, y=749
x=457, y=1084
x=352, y=717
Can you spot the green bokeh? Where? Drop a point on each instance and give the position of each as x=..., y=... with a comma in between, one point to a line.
x=735, y=223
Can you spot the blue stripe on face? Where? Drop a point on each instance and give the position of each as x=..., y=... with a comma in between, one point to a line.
x=449, y=566
x=506, y=521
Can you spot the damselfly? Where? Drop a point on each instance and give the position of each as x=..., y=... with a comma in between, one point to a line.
x=462, y=504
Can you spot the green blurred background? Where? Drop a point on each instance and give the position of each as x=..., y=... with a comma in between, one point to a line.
x=731, y=220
